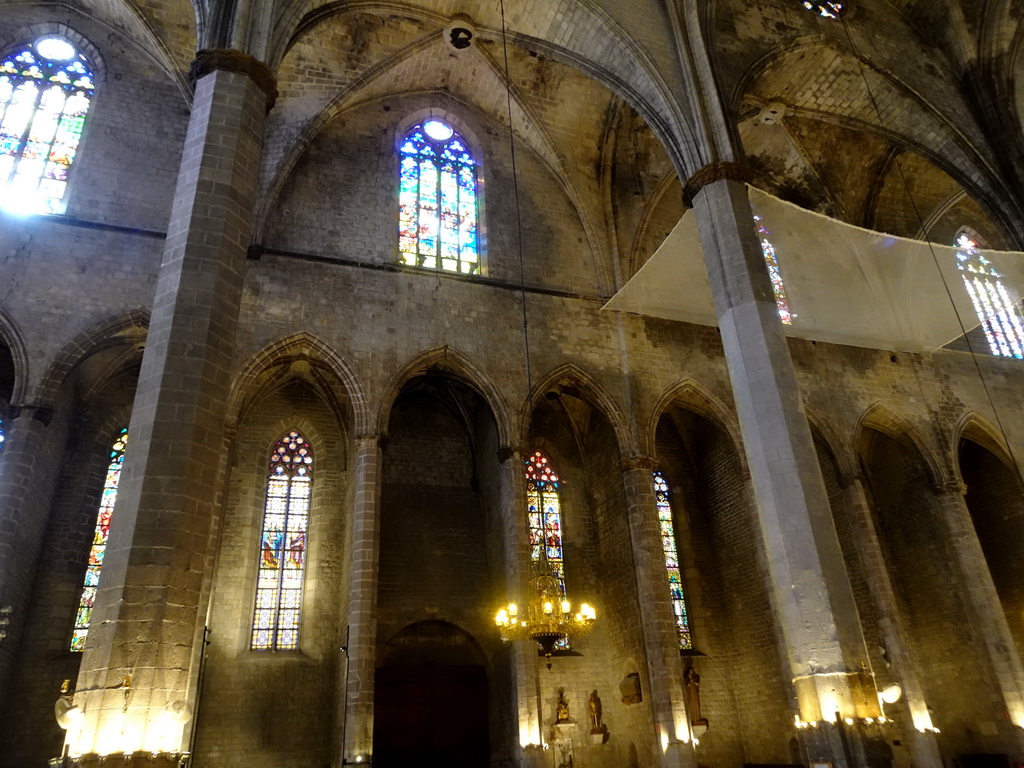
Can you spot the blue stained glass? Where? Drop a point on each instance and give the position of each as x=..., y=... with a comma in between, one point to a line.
x=437, y=211
x=545, y=522
x=43, y=104
x=999, y=316
x=829, y=9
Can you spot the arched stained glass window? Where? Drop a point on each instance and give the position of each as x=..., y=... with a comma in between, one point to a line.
x=45, y=90
x=3, y=434
x=668, y=547
x=771, y=258
x=282, y=556
x=99, y=542
x=999, y=317
x=437, y=218
x=830, y=9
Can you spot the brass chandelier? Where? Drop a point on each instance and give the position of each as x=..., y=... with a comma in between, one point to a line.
x=546, y=619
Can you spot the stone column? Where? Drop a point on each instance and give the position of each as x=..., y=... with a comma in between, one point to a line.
x=364, y=558
x=989, y=617
x=923, y=746
x=824, y=645
x=135, y=668
x=29, y=467
x=661, y=640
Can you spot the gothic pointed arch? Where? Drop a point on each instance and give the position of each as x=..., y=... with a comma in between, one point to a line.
x=693, y=396
x=881, y=418
x=305, y=356
x=451, y=362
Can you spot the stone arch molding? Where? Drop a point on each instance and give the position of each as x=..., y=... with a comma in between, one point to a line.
x=577, y=32
x=980, y=430
x=829, y=434
x=125, y=329
x=12, y=337
x=594, y=394
x=291, y=351
x=450, y=361
x=692, y=396
x=881, y=418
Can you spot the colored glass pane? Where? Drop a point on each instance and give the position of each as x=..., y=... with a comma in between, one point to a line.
x=3, y=429
x=668, y=547
x=43, y=103
x=282, y=556
x=545, y=521
x=771, y=259
x=999, y=316
x=829, y=9
x=437, y=200
x=99, y=542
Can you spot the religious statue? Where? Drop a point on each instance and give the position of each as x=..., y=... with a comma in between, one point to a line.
x=561, y=708
x=594, y=705
x=693, y=696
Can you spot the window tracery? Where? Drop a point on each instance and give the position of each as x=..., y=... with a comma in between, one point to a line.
x=45, y=90
x=283, y=545
x=829, y=9
x=438, y=208
x=99, y=542
x=670, y=550
x=999, y=317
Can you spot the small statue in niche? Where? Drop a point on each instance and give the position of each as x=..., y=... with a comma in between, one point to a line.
x=562, y=708
x=693, y=696
x=594, y=705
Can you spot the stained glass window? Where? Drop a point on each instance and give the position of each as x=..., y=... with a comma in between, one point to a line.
x=545, y=521
x=771, y=258
x=668, y=546
x=99, y=542
x=3, y=429
x=282, y=557
x=830, y=9
x=437, y=212
x=45, y=89
x=999, y=317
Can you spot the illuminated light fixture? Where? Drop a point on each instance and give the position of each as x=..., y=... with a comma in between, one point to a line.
x=539, y=620
x=891, y=693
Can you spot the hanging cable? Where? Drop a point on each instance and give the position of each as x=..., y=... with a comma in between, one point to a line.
x=934, y=255
x=515, y=189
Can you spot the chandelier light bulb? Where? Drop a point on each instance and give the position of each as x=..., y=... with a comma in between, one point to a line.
x=566, y=607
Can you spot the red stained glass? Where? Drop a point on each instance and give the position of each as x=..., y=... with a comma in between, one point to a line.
x=668, y=547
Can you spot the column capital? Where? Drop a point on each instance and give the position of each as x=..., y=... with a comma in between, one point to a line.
x=212, y=59
x=370, y=440
x=40, y=413
x=642, y=463
x=951, y=487
x=711, y=173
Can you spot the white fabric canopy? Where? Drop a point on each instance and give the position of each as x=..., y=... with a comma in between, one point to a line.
x=844, y=284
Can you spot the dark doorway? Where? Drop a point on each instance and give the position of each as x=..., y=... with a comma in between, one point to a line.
x=430, y=700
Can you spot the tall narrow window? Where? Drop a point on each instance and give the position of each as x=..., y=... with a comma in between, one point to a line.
x=545, y=521
x=45, y=89
x=1000, y=319
x=282, y=556
x=829, y=9
x=99, y=542
x=437, y=218
x=668, y=547
x=774, y=271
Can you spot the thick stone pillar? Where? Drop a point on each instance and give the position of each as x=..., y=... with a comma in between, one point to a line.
x=988, y=616
x=136, y=666
x=814, y=601
x=903, y=670
x=29, y=467
x=364, y=558
x=661, y=640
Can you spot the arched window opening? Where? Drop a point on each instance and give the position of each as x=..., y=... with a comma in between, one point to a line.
x=282, y=556
x=668, y=547
x=45, y=90
x=3, y=434
x=437, y=219
x=774, y=271
x=829, y=9
x=545, y=521
x=999, y=317
x=99, y=542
